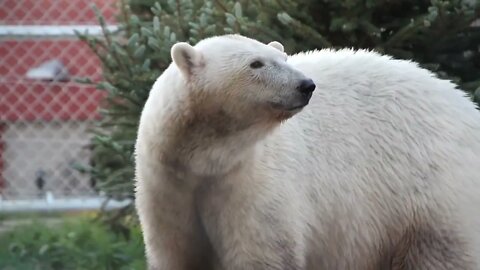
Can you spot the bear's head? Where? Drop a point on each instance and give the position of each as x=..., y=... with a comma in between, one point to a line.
x=243, y=77
x=220, y=97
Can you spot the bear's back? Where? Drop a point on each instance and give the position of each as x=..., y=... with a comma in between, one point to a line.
x=372, y=107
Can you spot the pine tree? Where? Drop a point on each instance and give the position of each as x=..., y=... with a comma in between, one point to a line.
x=439, y=34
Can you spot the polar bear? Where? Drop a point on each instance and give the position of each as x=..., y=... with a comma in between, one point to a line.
x=247, y=158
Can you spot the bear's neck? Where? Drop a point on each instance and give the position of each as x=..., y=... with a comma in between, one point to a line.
x=209, y=141
x=191, y=132
x=214, y=144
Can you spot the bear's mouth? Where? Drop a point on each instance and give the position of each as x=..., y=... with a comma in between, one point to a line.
x=288, y=108
x=295, y=108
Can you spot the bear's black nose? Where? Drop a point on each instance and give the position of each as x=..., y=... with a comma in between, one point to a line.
x=306, y=87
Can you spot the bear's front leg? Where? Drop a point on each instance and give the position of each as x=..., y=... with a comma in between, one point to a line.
x=252, y=231
x=173, y=237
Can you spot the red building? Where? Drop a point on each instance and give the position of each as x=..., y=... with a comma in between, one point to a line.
x=43, y=122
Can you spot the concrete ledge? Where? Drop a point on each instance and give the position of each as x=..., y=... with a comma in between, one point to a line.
x=63, y=204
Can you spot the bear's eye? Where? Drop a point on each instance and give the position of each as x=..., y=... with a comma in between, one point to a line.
x=256, y=64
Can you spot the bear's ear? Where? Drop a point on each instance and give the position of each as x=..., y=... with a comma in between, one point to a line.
x=277, y=45
x=185, y=57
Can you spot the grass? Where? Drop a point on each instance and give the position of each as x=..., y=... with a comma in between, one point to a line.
x=73, y=243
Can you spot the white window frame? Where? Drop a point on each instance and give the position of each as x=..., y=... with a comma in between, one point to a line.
x=52, y=30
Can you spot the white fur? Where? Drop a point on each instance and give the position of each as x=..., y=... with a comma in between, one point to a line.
x=185, y=57
x=385, y=151
x=277, y=45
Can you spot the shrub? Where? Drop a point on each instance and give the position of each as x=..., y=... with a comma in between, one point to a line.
x=77, y=243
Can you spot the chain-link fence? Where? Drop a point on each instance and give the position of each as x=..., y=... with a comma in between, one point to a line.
x=45, y=115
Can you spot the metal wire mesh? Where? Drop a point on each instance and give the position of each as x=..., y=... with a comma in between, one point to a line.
x=45, y=115
x=54, y=12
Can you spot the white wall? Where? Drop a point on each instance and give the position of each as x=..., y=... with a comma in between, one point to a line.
x=50, y=147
